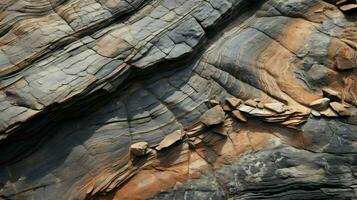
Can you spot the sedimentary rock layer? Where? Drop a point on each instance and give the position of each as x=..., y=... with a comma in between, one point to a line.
x=178, y=99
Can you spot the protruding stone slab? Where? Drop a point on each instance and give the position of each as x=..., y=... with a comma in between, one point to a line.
x=331, y=94
x=276, y=107
x=315, y=113
x=329, y=113
x=320, y=104
x=340, y=108
x=349, y=8
x=213, y=116
x=245, y=108
x=262, y=112
x=170, y=140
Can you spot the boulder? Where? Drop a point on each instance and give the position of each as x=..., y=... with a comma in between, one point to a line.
x=213, y=116
x=139, y=149
x=320, y=104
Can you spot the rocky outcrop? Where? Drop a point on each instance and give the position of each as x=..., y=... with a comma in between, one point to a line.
x=347, y=6
x=184, y=99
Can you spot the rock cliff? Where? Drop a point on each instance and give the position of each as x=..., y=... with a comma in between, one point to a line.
x=178, y=99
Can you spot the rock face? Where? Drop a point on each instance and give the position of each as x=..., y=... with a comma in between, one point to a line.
x=178, y=99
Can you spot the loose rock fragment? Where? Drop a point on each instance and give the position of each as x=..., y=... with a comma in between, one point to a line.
x=331, y=94
x=245, y=108
x=195, y=141
x=239, y=115
x=262, y=112
x=195, y=130
x=251, y=102
x=315, y=113
x=139, y=149
x=340, y=108
x=214, y=102
x=276, y=107
x=329, y=113
x=350, y=8
x=320, y=104
x=260, y=105
x=234, y=102
x=227, y=107
x=170, y=140
x=213, y=116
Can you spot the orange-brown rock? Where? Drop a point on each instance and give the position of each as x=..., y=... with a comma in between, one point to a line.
x=239, y=115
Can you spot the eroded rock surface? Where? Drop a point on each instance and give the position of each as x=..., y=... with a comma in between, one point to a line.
x=178, y=99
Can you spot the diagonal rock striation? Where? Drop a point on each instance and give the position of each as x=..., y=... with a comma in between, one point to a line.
x=178, y=99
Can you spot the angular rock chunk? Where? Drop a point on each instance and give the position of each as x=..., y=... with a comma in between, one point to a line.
x=214, y=102
x=340, y=108
x=260, y=105
x=139, y=149
x=329, y=113
x=234, y=102
x=315, y=113
x=226, y=107
x=170, y=140
x=237, y=114
x=213, y=116
x=251, y=102
x=320, y=104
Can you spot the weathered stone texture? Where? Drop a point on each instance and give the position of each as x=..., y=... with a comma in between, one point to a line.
x=178, y=99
